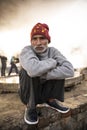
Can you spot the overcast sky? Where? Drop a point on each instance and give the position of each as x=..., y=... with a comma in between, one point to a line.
x=67, y=20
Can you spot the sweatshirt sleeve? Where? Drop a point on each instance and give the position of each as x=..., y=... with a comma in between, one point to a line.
x=64, y=68
x=31, y=63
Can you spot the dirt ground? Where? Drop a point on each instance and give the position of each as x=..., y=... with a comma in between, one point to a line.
x=11, y=105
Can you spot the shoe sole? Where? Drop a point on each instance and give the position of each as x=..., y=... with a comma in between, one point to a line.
x=30, y=123
x=57, y=109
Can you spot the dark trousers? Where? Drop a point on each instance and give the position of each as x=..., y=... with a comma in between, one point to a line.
x=13, y=66
x=42, y=89
x=3, y=69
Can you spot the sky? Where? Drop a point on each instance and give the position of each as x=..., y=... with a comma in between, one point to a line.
x=67, y=20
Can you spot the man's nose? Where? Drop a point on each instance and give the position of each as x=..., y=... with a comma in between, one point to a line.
x=38, y=41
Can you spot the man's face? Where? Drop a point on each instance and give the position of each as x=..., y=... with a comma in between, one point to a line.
x=39, y=43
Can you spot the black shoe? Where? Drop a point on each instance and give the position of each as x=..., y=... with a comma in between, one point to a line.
x=55, y=105
x=30, y=116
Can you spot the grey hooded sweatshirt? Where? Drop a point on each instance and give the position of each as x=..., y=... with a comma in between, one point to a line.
x=48, y=65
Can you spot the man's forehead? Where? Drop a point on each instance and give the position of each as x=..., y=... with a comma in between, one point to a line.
x=35, y=36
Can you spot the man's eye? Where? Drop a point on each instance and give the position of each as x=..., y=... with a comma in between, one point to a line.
x=34, y=38
x=42, y=38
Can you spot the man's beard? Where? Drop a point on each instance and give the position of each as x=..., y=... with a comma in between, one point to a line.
x=40, y=49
